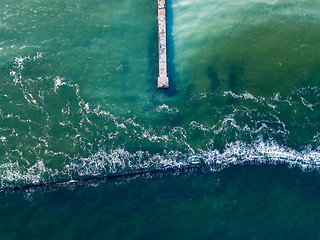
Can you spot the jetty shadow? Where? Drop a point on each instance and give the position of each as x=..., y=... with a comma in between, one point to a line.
x=171, y=51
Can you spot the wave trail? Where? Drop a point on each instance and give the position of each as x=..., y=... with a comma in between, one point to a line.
x=121, y=162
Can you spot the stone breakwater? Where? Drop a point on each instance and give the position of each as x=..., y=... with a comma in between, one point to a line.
x=163, y=81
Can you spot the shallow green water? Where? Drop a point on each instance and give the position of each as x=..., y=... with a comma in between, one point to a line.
x=79, y=100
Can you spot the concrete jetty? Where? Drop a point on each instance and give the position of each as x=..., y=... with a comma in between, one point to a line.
x=163, y=80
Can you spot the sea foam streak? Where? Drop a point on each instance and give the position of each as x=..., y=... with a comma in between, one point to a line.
x=121, y=162
x=111, y=159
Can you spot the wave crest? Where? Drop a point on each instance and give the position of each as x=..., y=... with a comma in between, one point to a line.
x=121, y=162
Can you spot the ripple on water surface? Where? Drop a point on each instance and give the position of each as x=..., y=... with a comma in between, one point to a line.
x=79, y=99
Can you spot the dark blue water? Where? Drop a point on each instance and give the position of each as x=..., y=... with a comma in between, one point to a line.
x=246, y=202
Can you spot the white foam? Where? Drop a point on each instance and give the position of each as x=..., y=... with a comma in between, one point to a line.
x=58, y=82
x=120, y=161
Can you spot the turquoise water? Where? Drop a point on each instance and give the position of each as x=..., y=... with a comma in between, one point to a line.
x=79, y=102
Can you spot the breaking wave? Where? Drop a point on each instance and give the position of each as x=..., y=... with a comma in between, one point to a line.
x=121, y=162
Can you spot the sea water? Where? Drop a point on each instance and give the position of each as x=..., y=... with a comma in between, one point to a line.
x=78, y=101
